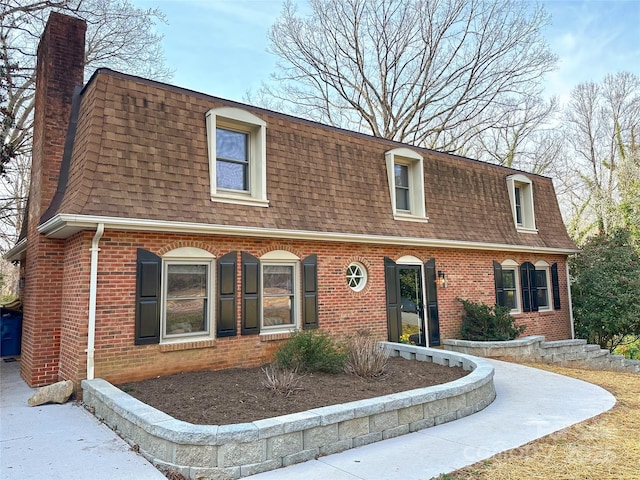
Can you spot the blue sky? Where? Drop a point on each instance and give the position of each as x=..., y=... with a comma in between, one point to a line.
x=219, y=47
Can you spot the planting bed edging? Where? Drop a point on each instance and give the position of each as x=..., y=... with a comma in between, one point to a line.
x=235, y=451
x=534, y=348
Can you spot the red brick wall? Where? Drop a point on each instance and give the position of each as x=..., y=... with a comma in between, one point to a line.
x=59, y=71
x=341, y=311
x=75, y=306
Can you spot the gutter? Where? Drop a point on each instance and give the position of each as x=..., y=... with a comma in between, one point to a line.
x=93, y=293
x=18, y=252
x=64, y=225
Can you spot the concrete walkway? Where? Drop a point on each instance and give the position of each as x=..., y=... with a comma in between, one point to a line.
x=530, y=404
x=64, y=441
x=57, y=442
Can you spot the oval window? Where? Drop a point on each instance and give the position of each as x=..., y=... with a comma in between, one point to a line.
x=356, y=276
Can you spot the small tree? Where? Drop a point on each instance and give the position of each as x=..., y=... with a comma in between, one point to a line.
x=606, y=290
x=481, y=322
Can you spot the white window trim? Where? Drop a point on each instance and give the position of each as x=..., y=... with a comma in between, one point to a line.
x=513, y=265
x=542, y=265
x=242, y=121
x=526, y=202
x=416, y=184
x=188, y=256
x=282, y=257
x=363, y=279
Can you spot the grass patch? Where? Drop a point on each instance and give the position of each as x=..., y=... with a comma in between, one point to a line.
x=603, y=447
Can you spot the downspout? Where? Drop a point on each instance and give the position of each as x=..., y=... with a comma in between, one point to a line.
x=573, y=330
x=93, y=292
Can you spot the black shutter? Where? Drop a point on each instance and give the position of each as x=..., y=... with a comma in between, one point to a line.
x=148, y=285
x=432, y=302
x=392, y=284
x=226, y=320
x=555, y=286
x=497, y=276
x=529, y=290
x=250, y=294
x=310, y=292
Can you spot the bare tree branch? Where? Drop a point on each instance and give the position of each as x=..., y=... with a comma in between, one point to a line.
x=119, y=36
x=424, y=72
x=602, y=126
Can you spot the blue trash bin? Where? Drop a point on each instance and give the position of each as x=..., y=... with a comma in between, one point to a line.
x=10, y=334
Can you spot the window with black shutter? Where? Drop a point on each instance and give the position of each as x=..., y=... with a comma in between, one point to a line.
x=555, y=286
x=226, y=321
x=148, y=288
x=310, y=292
x=250, y=294
x=529, y=289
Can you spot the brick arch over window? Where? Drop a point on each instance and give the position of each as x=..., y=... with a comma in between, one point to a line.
x=279, y=247
x=189, y=244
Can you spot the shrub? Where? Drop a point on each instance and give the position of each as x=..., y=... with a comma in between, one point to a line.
x=366, y=358
x=311, y=351
x=605, y=288
x=480, y=322
x=281, y=380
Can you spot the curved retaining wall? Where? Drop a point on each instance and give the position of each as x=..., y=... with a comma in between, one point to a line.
x=234, y=451
x=572, y=353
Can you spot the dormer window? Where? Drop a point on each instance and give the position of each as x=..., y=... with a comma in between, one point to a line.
x=403, y=201
x=232, y=159
x=405, y=173
x=237, y=156
x=521, y=198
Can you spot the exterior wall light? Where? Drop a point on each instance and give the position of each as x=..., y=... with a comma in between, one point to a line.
x=442, y=279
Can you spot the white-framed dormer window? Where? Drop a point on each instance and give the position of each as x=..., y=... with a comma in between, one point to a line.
x=405, y=173
x=543, y=281
x=187, y=306
x=521, y=198
x=237, y=156
x=511, y=285
x=280, y=272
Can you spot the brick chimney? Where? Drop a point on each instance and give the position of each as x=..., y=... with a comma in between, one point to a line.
x=60, y=68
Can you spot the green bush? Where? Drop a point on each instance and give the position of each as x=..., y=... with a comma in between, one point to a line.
x=480, y=322
x=311, y=351
x=605, y=289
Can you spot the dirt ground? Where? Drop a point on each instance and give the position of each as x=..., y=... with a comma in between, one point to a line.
x=238, y=395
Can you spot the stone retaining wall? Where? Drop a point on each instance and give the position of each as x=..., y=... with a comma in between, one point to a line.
x=572, y=353
x=234, y=451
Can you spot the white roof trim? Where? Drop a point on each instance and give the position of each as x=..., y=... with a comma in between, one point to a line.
x=18, y=252
x=63, y=225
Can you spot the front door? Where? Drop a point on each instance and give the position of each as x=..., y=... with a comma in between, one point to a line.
x=412, y=306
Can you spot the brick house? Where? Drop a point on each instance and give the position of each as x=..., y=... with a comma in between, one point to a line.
x=170, y=230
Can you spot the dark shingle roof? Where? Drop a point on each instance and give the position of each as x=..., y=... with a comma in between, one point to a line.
x=140, y=152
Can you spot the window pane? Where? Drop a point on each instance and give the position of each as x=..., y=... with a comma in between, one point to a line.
x=543, y=292
x=402, y=199
x=186, y=281
x=518, y=206
x=186, y=316
x=402, y=175
x=541, y=278
x=231, y=175
x=510, y=299
x=277, y=311
x=231, y=145
x=543, y=298
x=278, y=279
x=508, y=279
